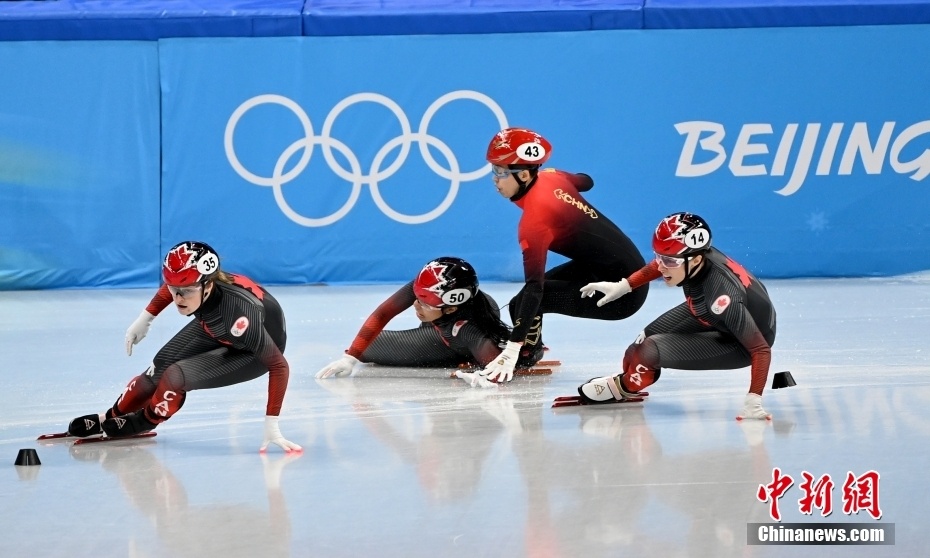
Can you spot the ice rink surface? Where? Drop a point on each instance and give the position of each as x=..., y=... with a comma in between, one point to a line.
x=411, y=463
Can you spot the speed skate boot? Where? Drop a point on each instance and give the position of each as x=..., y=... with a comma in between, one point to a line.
x=606, y=389
x=88, y=425
x=530, y=355
x=91, y=425
x=532, y=350
x=128, y=424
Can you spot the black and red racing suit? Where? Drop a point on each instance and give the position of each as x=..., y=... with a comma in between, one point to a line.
x=557, y=218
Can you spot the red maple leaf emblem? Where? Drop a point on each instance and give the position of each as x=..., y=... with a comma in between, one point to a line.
x=179, y=258
x=249, y=285
x=740, y=272
x=676, y=227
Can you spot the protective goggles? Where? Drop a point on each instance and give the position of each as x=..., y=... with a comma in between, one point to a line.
x=502, y=172
x=669, y=261
x=424, y=305
x=185, y=292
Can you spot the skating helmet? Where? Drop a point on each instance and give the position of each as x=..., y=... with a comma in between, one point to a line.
x=681, y=234
x=189, y=263
x=518, y=146
x=446, y=282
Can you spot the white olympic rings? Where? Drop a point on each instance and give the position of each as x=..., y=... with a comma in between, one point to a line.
x=354, y=174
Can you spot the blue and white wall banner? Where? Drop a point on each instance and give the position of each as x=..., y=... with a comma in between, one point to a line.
x=308, y=160
x=353, y=159
x=356, y=159
x=806, y=149
x=79, y=175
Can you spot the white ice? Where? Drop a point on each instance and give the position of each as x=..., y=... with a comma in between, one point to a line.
x=410, y=463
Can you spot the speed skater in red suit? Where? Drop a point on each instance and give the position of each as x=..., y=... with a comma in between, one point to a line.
x=555, y=218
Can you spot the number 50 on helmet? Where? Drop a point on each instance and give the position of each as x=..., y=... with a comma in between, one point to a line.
x=446, y=282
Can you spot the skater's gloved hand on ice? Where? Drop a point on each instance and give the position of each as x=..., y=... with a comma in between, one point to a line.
x=273, y=436
x=138, y=330
x=752, y=408
x=341, y=367
x=612, y=291
x=501, y=368
x=475, y=379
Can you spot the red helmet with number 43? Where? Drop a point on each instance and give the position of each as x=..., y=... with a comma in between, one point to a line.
x=446, y=282
x=189, y=263
x=518, y=146
x=681, y=234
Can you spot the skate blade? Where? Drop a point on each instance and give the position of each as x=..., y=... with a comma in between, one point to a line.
x=549, y=363
x=57, y=436
x=576, y=401
x=94, y=440
x=640, y=395
x=566, y=402
x=62, y=437
x=534, y=371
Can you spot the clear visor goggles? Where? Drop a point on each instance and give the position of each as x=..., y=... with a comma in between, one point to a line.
x=502, y=172
x=426, y=306
x=185, y=292
x=669, y=261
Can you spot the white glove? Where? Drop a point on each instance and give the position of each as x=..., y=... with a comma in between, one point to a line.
x=341, y=367
x=501, y=368
x=273, y=436
x=612, y=291
x=138, y=330
x=752, y=408
x=475, y=379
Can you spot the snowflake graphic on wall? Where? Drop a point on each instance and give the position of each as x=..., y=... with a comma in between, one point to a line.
x=817, y=221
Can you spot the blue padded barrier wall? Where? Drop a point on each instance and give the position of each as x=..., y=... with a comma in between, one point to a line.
x=154, y=19
x=808, y=148
x=79, y=155
x=147, y=19
x=709, y=14
x=321, y=165
x=415, y=17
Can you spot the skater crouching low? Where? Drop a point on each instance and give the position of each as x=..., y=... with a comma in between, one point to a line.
x=238, y=334
x=727, y=320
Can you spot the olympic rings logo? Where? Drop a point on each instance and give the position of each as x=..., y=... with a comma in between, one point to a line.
x=354, y=174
